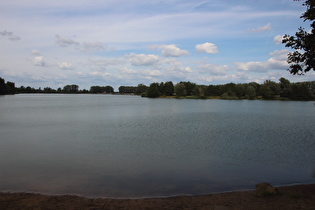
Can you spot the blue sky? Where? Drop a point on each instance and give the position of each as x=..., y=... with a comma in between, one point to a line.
x=127, y=42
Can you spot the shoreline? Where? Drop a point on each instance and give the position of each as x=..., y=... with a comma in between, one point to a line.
x=300, y=196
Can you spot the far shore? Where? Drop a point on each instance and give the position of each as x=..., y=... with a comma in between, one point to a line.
x=288, y=197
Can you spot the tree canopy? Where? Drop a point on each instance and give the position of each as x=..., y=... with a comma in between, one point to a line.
x=302, y=59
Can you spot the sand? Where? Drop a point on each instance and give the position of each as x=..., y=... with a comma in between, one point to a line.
x=289, y=197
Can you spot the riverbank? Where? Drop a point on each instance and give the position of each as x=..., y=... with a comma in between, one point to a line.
x=289, y=197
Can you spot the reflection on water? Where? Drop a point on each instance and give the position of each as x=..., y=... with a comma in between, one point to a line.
x=128, y=146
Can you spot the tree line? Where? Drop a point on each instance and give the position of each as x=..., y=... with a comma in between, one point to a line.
x=9, y=88
x=269, y=90
x=6, y=87
x=283, y=89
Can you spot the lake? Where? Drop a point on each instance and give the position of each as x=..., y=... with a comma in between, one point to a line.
x=128, y=146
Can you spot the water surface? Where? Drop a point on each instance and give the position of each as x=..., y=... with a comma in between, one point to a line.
x=128, y=146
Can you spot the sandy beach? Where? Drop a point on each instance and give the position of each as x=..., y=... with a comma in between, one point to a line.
x=289, y=197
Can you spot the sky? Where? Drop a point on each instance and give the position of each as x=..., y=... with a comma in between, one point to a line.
x=128, y=42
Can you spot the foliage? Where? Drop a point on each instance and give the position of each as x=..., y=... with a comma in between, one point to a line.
x=141, y=89
x=302, y=59
x=101, y=89
x=70, y=88
x=6, y=87
x=127, y=89
x=189, y=87
x=153, y=91
x=168, y=89
x=270, y=90
x=180, y=90
x=283, y=90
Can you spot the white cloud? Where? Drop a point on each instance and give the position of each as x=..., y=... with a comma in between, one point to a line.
x=98, y=73
x=142, y=59
x=213, y=69
x=65, y=65
x=175, y=66
x=170, y=50
x=154, y=73
x=278, y=39
x=90, y=46
x=39, y=61
x=276, y=62
x=266, y=27
x=207, y=48
x=35, y=52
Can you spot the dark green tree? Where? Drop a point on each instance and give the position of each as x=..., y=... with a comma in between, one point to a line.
x=161, y=88
x=70, y=89
x=189, y=86
x=302, y=59
x=250, y=92
x=180, y=89
x=269, y=90
x=10, y=86
x=3, y=89
x=214, y=90
x=153, y=91
x=168, y=88
x=285, y=87
x=141, y=89
x=301, y=91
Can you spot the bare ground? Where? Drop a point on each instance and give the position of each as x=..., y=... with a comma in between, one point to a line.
x=289, y=197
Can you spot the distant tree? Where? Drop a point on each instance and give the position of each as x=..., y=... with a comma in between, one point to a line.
x=48, y=90
x=95, y=89
x=10, y=86
x=301, y=91
x=180, y=90
x=189, y=86
x=108, y=89
x=239, y=90
x=127, y=89
x=153, y=91
x=250, y=92
x=70, y=89
x=214, y=90
x=3, y=89
x=141, y=89
x=302, y=59
x=285, y=87
x=269, y=90
x=161, y=88
x=168, y=88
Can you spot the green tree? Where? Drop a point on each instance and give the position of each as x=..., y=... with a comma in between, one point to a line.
x=10, y=86
x=214, y=90
x=180, y=90
x=153, y=91
x=3, y=89
x=302, y=59
x=269, y=90
x=127, y=89
x=70, y=89
x=189, y=86
x=141, y=89
x=108, y=89
x=285, y=87
x=301, y=91
x=250, y=92
x=169, y=88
